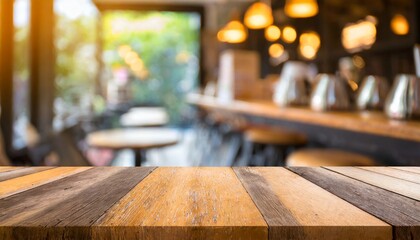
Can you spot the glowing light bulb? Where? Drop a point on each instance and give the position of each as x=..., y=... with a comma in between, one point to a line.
x=276, y=50
x=400, y=25
x=289, y=34
x=309, y=44
x=310, y=39
x=358, y=36
x=308, y=52
x=272, y=33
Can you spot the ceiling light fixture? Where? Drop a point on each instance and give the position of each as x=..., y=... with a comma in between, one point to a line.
x=272, y=33
x=400, y=25
x=234, y=31
x=289, y=34
x=301, y=8
x=259, y=15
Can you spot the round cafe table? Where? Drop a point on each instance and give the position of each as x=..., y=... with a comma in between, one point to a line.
x=137, y=139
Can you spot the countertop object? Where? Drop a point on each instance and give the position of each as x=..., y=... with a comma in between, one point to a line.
x=376, y=123
x=210, y=203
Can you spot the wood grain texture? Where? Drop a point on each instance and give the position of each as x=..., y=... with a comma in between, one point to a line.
x=409, y=169
x=210, y=203
x=65, y=209
x=295, y=208
x=396, y=173
x=7, y=169
x=184, y=203
x=365, y=122
x=396, y=185
x=21, y=172
x=401, y=212
x=317, y=157
x=20, y=184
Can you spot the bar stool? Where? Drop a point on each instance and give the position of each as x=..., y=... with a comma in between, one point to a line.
x=210, y=137
x=269, y=146
x=232, y=138
x=327, y=157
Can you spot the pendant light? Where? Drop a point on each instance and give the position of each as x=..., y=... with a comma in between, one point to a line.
x=259, y=15
x=272, y=33
x=400, y=25
x=301, y=8
x=309, y=44
x=234, y=31
x=289, y=34
x=276, y=50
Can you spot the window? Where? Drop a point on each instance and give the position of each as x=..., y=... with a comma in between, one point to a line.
x=76, y=62
x=152, y=58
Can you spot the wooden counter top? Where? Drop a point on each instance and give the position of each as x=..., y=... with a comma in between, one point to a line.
x=209, y=203
x=365, y=122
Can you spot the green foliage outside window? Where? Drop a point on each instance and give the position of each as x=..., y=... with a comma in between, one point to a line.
x=168, y=45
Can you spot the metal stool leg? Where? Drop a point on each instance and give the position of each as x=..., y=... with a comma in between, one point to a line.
x=139, y=157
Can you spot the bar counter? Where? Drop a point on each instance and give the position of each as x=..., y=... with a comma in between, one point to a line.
x=210, y=203
x=364, y=122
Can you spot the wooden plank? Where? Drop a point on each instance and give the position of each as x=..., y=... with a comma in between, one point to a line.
x=396, y=185
x=401, y=212
x=21, y=172
x=7, y=169
x=184, y=203
x=67, y=207
x=295, y=208
x=396, y=173
x=409, y=169
x=20, y=184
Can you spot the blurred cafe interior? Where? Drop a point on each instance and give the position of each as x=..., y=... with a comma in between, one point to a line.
x=210, y=83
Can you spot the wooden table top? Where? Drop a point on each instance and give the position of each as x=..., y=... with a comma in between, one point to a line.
x=133, y=138
x=210, y=203
x=365, y=122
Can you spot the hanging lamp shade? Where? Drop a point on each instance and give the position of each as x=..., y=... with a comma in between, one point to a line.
x=301, y=8
x=259, y=15
x=233, y=32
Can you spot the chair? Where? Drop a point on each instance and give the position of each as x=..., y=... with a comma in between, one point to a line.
x=61, y=149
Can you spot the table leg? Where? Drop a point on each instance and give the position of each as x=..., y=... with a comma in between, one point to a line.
x=139, y=157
